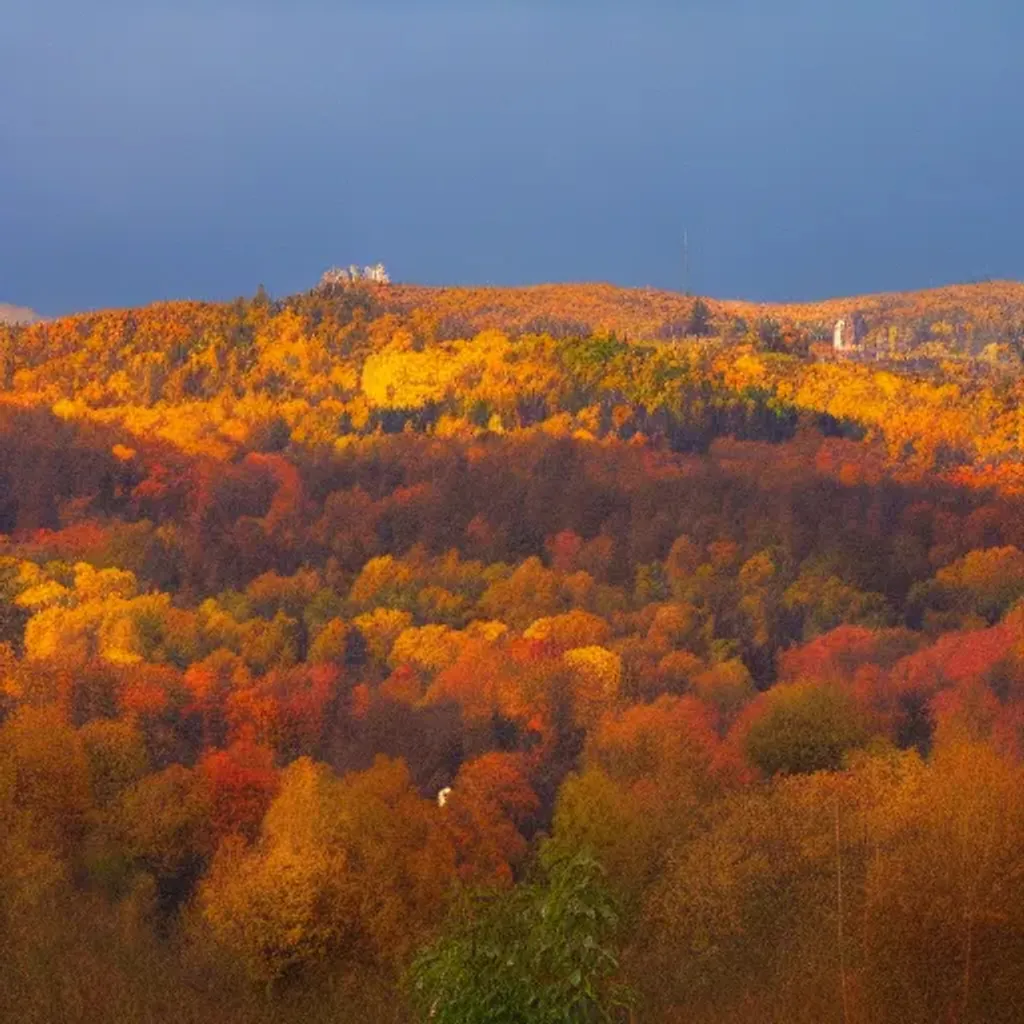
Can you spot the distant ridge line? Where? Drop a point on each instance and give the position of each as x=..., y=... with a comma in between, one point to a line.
x=639, y=308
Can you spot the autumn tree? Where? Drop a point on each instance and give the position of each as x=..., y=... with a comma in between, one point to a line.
x=943, y=917
x=47, y=770
x=489, y=806
x=802, y=727
x=342, y=869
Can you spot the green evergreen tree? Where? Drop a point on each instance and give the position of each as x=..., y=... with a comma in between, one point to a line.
x=699, y=325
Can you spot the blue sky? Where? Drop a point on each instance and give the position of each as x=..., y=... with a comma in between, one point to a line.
x=155, y=149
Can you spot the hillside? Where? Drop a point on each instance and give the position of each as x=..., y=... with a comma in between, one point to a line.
x=985, y=312
x=381, y=652
x=938, y=385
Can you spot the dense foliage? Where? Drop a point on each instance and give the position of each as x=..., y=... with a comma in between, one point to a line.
x=378, y=654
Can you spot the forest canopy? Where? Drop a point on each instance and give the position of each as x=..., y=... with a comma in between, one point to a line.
x=562, y=654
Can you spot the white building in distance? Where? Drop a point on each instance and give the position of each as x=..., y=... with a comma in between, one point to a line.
x=844, y=336
x=838, y=336
x=340, y=276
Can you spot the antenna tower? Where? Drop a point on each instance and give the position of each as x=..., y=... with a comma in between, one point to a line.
x=686, y=262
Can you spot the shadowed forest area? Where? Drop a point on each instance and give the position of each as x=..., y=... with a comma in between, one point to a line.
x=565, y=654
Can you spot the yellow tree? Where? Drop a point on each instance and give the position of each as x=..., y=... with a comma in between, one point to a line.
x=353, y=868
x=47, y=766
x=596, y=675
x=944, y=911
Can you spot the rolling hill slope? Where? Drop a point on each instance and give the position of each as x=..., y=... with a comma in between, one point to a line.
x=993, y=307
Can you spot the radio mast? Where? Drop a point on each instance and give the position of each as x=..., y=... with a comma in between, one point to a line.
x=686, y=262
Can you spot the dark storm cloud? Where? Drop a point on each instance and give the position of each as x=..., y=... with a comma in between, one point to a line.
x=154, y=149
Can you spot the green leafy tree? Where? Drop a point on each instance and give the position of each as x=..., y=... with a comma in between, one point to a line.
x=803, y=727
x=540, y=953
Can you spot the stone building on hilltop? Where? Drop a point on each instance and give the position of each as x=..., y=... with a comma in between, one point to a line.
x=373, y=274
